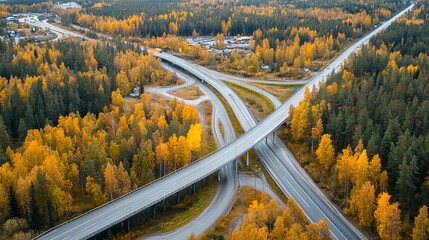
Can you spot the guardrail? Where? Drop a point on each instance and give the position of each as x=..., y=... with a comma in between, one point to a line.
x=278, y=121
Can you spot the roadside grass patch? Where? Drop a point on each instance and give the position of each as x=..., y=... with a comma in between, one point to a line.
x=258, y=104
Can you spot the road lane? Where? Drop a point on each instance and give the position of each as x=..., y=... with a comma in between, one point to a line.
x=223, y=199
x=120, y=209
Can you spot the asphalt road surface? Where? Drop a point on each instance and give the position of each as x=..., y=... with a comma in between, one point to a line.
x=118, y=210
x=294, y=183
x=228, y=77
x=224, y=197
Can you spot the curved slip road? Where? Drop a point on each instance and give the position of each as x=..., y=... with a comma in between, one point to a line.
x=101, y=218
x=276, y=103
x=223, y=199
x=294, y=183
x=228, y=77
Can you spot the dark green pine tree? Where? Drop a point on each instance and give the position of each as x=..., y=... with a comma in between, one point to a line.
x=13, y=204
x=29, y=117
x=47, y=56
x=5, y=139
x=42, y=195
x=16, y=111
x=51, y=212
x=22, y=130
x=405, y=186
x=3, y=158
x=36, y=219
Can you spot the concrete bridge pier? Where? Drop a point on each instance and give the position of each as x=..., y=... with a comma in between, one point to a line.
x=127, y=222
x=128, y=225
x=218, y=175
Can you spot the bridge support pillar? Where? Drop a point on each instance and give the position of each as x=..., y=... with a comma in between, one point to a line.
x=193, y=188
x=274, y=137
x=236, y=166
x=177, y=197
x=154, y=210
x=128, y=225
x=247, y=158
x=218, y=175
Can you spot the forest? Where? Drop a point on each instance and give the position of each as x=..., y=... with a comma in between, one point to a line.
x=367, y=129
x=267, y=219
x=291, y=37
x=71, y=141
x=244, y=17
x=288, y=36
x=38, y=83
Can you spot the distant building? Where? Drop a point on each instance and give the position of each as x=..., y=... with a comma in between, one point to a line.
x=243, y=39
x=48, y=15
x=135, y=93
x=69, y=5
x=265, y=67
x=12, y=33
x=12, y=18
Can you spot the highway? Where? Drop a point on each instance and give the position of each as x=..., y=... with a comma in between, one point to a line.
x=278, y=160
x=114, y=212
x=227, y=186
x=166, y=90
x=276, y=103
x=294, y=183
x=33, y=20
x=221, y=203
x=223, y=199
x=228, y=77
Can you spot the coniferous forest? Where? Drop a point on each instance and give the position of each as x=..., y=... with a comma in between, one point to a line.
x=368, y=127
x=68, y=135
x=72, y=138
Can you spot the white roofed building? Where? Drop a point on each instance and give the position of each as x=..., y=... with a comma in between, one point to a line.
x=69, y=5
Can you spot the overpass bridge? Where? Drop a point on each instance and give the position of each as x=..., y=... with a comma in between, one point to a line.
x=99, y=219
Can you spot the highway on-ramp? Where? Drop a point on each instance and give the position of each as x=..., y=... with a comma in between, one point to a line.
x=287, y=173
x=114, y=212
x=229, y=77
x=227, y=186
x=295, y=184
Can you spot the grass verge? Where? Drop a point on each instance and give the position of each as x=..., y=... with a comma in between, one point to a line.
x=210, y=143
x=189, y=93
x=253, y=158
x=282, y=92
x=234, y=121
x=258, y=104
